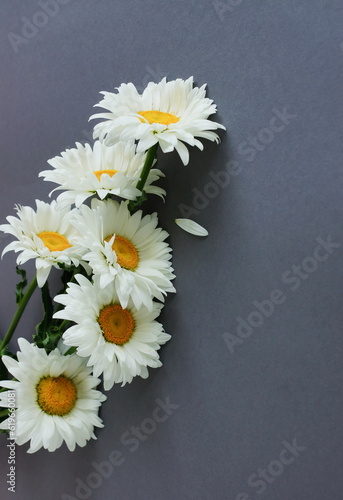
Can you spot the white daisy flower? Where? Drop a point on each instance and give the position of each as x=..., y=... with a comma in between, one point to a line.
x=169, y=113
x=82, y=172
x=119, y=342
x=127, y=249
x=56, y=399
x=45, y=235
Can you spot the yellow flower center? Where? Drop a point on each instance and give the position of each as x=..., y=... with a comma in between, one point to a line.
x=158, y=117
x=54, y=241
x=117, y=324
x=127, y=255
x=109, y=172
x=56, y=395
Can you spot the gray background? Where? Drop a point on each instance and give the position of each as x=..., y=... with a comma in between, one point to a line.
x=283, y=382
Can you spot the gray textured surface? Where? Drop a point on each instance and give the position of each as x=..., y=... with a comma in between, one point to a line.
x=284, y=381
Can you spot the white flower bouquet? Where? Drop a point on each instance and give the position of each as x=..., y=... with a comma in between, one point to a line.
x=114, y=261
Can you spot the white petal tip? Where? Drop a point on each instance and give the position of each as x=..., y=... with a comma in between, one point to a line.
x=191, y=227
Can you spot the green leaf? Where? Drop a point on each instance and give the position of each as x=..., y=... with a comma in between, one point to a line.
x=44, y=325
x=3, y=416
x=48, y=307
x=47, y=339
x=66, y=277
x=3, y=370
x=50, y=330
x=19, y=291
x=47, y=332
x=71, y=350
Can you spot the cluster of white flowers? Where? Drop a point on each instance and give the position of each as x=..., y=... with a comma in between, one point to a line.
x=120, y=260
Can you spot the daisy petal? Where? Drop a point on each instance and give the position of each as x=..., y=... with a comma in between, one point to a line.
x=191, y=227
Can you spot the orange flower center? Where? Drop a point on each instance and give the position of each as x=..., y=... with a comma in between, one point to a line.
x=109, y=172
x=127, y=255
x=54, y=241
x=117, y=324
x=56, y=395
x=158, y=117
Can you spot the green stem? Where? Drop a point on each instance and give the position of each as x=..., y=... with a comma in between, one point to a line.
x=63, y=325
x=21, y=308
x=149, y=160
x=147, y=166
